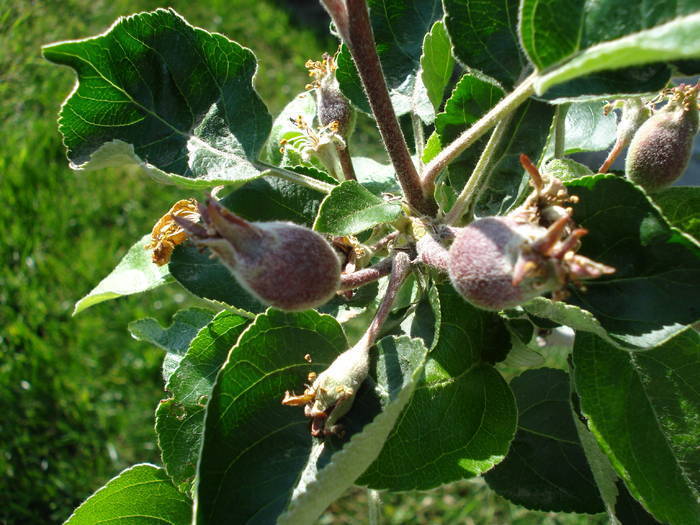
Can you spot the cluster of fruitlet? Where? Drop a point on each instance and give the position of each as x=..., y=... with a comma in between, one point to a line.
x=494, y=263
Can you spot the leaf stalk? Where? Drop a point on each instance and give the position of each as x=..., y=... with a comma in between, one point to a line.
x=505, y=107
x=472, y=189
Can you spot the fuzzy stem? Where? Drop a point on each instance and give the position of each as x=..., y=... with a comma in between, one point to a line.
x=374, y=501
x=560, y=130
x=612, y=156
x=505, y=107
x=346, y=163
x=297, y=178
x=418, y=138
x=471, y=191
x=363, y=49
x=400, y=268
x=350, y=281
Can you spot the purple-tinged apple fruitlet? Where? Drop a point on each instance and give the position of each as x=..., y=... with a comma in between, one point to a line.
x=502, y=262
x=283, y=265
x=660, y=150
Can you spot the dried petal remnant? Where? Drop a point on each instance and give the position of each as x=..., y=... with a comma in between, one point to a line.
x=167, y=233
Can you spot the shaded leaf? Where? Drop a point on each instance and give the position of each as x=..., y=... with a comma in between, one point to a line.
x=546, y=468
x=140, y=494
x=173, y=99
x=399, y=27
x=653, y=293
x=180, y=418
x=644, y=410
x=207, y=278
x=349, y=209
x=462, y=416
x=483, y=34
x=275, y=199
x=566, y=169
x=680, y=205
x=508, y=182
x=527, y=133
x=135, y=273
x=378, y=178
x=260, y=454
x=587, y=128
x=176, y=338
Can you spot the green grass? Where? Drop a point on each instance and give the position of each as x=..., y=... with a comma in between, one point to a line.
x=78, y=394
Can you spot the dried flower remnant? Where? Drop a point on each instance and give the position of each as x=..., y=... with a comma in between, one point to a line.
x=167, y=233
x=331, y=104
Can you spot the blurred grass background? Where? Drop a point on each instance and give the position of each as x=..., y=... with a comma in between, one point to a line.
x=77, y=395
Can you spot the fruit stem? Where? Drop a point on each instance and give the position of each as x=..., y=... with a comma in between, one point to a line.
x=360, y=41
x=472, y=189
x=297, y=178
x=505, y=107
x=346, y=163
x=560, y=130
x=350, y=281
x=400, y=268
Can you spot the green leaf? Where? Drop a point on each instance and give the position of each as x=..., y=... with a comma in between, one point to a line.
x=140, y=494
x=550, y=30
x=378, y=178
x=302, y=105
x=545, y=468
x=176, y=338
x=207, y=278
x=180, y=418
x=275, y=199
x=135, y=273
x=173, y=99
x=484, y=37
x=670, y=41
x=258, y=456
x=644, y=410
x=587, y=128
x=462, y=416
x=565, y=169
x=653, y=293
x=680, y=205
x=527, y=133
x=349, y=209
x=399, y=27
x=629, y=510
x=553, y=30
x=399, y=368
x=603, y=473
x=472, y=97
x=436, y=63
